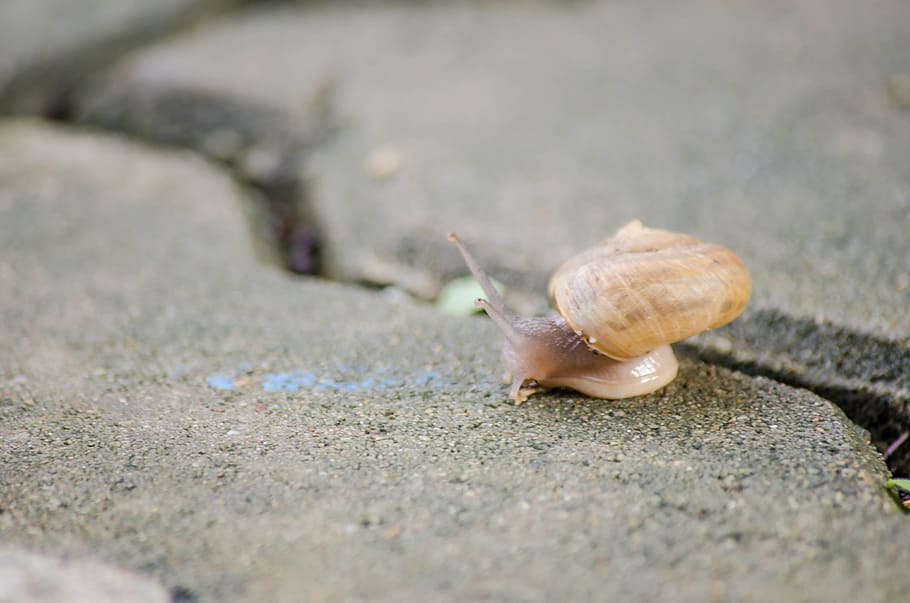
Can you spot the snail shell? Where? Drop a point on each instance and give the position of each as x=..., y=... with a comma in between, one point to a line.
x=645, y=287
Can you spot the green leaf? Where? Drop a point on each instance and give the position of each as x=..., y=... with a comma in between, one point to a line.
x=457, y=297
x=903, y=484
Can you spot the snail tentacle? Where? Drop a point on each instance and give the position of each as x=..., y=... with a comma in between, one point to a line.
x=493, y=296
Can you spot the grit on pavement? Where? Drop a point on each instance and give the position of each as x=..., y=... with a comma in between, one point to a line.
x=182, y=419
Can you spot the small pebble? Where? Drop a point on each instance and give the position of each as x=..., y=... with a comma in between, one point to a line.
x=384, y=162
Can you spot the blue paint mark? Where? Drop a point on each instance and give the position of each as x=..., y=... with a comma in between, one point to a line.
x=426, y=378
x=288, y=382
x=294, y=380
x=220, y=381
x=347, y=378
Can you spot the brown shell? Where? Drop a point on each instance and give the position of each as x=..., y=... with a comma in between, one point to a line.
x=645, y=287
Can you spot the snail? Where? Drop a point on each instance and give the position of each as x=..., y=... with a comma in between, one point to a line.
x=620, y=305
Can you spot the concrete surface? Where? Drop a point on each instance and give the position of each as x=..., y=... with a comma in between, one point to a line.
x=759, y=126
x=48, y=47
x=29, y=578
x=171, y=405
x=536, y=129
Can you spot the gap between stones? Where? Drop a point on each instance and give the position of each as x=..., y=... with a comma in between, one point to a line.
x=866, y=376
x=255, y=145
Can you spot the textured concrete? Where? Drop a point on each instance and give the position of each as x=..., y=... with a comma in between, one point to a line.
x=760, y=126
x=535, y=129
x=170, y=404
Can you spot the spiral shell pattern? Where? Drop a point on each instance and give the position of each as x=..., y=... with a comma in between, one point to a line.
x=645, y=287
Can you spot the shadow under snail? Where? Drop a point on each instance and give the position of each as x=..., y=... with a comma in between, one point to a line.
x=620, y=305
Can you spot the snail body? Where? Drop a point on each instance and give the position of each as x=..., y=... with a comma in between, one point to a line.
x=621, y=304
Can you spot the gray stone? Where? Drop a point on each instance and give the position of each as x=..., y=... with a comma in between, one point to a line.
x=47, y=47
x=171, y=404
x=536, y=130
x=27, y=577
x=758, y=126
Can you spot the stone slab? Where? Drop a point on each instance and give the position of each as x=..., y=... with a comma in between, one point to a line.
x=538, y=129
x=47, y=47
x=173, y=405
